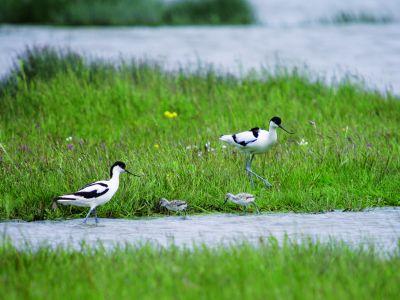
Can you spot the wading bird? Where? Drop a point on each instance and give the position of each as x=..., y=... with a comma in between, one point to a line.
x=255, y=141
x=242, y=199
x=96, y=193
x=174, y=205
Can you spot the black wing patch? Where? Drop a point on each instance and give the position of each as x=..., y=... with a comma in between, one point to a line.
x=94, y=183
x=255, y=131
x=63, y=198
x=243, y=143
x=91, y=194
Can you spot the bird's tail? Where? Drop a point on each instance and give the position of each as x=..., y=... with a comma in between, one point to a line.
x=65, y=200
x=227, y=139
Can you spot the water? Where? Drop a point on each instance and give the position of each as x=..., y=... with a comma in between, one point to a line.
x=380, y=226
x=289, y=34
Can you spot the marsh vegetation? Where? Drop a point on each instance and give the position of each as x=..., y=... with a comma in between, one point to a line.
x=126, y=12
x=65, y=120
x=289, y=271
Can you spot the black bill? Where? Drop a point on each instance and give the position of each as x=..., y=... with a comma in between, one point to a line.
x=281, y=127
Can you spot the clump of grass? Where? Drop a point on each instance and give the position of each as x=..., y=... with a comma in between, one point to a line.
x=126, y=12
x=64, y=121
x=307, y=271
x=362, y=17
x=209, y=12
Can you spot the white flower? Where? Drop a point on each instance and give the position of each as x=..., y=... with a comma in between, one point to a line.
x=224, y=147
x=68, y=139
x=208, y=147
x=302, y=142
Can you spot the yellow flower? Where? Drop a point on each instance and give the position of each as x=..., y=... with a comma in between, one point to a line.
x=157, y=146
x=170, y=115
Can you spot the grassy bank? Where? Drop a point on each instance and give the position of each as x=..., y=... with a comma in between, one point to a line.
x=126, y=12
x=241, y=272
x=63, y=122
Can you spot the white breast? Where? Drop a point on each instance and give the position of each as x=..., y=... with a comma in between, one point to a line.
x=264, y=141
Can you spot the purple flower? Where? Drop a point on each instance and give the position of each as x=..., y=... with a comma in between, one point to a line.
x=24, y=148
x=70, y=147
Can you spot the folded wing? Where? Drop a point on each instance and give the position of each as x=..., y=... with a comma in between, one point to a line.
x=90, y=191
x=246, y=137
x=178, y=203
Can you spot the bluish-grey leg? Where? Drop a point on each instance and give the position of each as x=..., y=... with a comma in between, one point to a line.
x=87, y=216
x=184, y=214
x=95, y=216
x=248, y=163
x=248, y=169
x=256, y=206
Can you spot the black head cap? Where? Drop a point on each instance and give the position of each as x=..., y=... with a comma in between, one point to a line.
x=117, y=163
x=276, y=120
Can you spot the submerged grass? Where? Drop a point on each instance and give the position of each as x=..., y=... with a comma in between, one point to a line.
x=65, y=121
x=270, y=271
x=126, y=12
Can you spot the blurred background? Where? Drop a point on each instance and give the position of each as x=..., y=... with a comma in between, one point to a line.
x=335, y=39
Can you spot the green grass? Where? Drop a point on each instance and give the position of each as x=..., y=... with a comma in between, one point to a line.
x=360, y=17
x=309, y=271
x=351, y=161
x=126, y=12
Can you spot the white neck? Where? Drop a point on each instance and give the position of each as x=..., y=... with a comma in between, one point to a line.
x=115, y=177
x=272, y=132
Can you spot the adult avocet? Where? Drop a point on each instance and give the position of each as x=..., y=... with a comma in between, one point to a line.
x=255, y=141
x=96, y=193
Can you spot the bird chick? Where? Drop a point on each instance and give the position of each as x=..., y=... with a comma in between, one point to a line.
x=242, y=199
x=174, y=205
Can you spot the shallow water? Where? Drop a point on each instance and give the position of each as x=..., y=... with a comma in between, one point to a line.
x=380, y=227
x=289, y=34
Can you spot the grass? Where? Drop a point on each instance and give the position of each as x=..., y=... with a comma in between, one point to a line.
x=126, y=12
x=309, y=271
x=360, y=17
x=64, y=121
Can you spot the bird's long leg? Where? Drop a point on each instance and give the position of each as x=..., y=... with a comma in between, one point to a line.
x=256, y=206
x=184, y=214
x=95, y=216
x=87, y=216
x=248, y=169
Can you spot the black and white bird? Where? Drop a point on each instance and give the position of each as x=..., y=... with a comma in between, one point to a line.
x=174, y=205
x=255, y=141
x=96, y=193
x=242, y=199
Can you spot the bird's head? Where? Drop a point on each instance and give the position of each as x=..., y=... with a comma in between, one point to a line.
x=227, y=197
x=163, y=202
x=119, y=167
x=276, y=122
